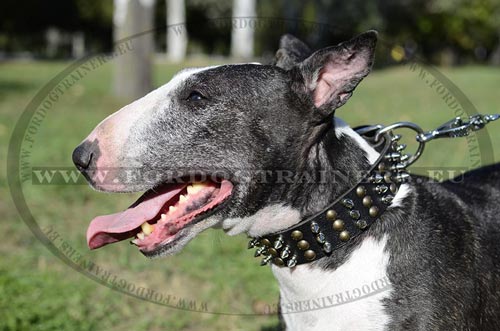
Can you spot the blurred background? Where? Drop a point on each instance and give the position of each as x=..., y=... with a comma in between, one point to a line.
x=436, y=59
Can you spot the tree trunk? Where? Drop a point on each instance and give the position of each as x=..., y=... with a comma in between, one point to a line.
x=242, y=34
x=177, y=37
x=133, y=64
x=78, y=45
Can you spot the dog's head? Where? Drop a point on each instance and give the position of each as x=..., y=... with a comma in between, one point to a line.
x=206, y=147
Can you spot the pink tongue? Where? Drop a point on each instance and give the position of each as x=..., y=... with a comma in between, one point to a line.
x=108, y=229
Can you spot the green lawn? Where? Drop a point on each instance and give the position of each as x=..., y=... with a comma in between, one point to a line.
x=39, y=292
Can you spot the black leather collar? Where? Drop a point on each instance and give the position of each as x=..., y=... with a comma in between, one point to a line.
x=347, y=217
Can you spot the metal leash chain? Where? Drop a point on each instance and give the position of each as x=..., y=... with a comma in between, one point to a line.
x=456, y=127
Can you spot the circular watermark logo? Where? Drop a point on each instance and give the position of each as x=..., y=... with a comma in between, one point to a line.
x=56, y=204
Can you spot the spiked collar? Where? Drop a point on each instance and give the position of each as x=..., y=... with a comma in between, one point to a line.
x=348, y=216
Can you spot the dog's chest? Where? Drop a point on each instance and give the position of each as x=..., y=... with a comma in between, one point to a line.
x=348, y=298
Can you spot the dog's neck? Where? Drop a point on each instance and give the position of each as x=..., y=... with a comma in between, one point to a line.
x=341, y=156
x=330, y=166
x=337, y=161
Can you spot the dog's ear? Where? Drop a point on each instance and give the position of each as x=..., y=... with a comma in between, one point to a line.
x=291, y=51
x=331, y=74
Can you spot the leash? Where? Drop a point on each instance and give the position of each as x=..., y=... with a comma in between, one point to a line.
x=358, y=208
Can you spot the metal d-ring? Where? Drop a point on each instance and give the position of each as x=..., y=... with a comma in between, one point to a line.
x=407, y=125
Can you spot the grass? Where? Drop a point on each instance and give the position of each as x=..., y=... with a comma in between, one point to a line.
x=39, y=292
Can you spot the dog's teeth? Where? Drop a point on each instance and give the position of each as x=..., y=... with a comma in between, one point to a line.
x=147, y=228
x=196, y=187
x=135, y=242
x=164, y=216
x=183, y=198
x=140, y=235
x=171, y=209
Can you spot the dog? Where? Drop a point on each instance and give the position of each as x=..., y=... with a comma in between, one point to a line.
x=198, y=147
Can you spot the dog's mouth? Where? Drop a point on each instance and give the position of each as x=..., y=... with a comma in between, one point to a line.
x=158, y=216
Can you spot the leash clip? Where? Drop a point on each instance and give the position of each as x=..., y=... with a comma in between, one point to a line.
x=457, y=127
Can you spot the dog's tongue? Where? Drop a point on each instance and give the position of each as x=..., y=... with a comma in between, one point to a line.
x=108, y=229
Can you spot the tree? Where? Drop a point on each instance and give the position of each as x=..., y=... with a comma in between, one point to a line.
x=133, y=24
x=242, y=35
x=176, y=30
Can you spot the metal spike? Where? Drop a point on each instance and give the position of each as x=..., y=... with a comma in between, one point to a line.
x=404, y=158
x=377, y=178
x=285, y=252
x=252, y=243
x=320, y=238
x=398, y=166
x=400, y=148
x=387, y=199
x=348, y=203
x=292, y=262
x=327, y=247
x=355, y=214
x=394, y=156
x=278, y=243
x=402, y=177
x=259, y=251
x=381, y=189
x=265, y=260
x=396, y=137
x=314, y=227
x=362, y=224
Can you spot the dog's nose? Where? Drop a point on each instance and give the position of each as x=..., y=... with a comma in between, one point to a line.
x=82, y=156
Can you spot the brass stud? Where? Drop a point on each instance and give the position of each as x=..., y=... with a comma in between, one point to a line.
x=338, y=225
x=331, y=215
x=278, y=261
x=373, y=211
x=344, y=236
x=388, y=177
x=360, y=191
x=303, y=245
x=297, y=235
x=367, y=201
x=381, y=166
x=272, y=251
x=265, y=242
x=362, y=224
x=354, y=214
x=309, y=255
x=393, y=188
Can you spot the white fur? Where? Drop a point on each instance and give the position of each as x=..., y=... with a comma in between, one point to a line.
x=403, y=192
x=269, y=219
x=367, y=264
x=341, y=129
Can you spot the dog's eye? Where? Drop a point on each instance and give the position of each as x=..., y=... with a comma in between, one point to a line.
x=195, y=96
